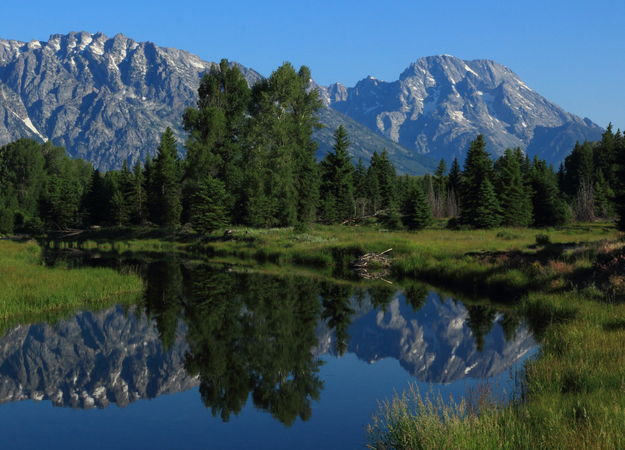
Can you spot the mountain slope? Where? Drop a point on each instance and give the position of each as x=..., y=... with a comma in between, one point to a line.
x=108, y=99
x=440, y=103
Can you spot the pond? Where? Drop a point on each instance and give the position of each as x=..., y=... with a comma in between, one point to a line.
x=219, y=356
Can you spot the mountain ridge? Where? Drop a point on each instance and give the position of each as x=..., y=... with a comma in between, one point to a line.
x=440, y=103
x=108, y=99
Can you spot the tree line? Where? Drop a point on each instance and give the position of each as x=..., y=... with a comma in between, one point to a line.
x=249, y=158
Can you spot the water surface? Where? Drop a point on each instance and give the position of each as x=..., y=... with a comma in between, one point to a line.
x=218, y=357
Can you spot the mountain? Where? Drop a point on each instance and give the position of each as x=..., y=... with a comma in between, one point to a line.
x=108, y=99
x=440, y=103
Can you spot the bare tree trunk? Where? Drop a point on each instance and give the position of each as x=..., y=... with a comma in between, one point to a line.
x=584, y=204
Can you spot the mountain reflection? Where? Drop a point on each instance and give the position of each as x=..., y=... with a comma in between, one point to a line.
x=247, y=336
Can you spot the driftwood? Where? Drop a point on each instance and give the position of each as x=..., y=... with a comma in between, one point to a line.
x=373, y=266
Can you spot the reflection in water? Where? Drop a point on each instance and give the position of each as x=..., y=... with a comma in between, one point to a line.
x=90, y=360
x=244, y=336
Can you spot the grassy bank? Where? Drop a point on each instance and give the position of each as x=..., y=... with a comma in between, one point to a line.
x=29, y=291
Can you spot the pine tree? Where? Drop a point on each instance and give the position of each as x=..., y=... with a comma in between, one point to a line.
x=165, y=188
x=514, y=196
x=209, y=206
x=578, y=169
x=488, y=212
x=454, y=181
x=479, y=205
x=548, y=207
x=417, y=211
x=337, y=185
x=138, y=197
x=382, y=188
x=439, y=190
x=125, y=188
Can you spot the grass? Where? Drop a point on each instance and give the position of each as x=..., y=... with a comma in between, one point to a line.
x=31, y=292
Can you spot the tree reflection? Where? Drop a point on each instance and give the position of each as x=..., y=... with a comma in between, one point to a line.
x=338, y=312
x=480, y=321
x=416, y=296
x=247, y=335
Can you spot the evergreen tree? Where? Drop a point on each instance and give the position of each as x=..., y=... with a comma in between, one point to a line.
x=479, y=205
x=578, y=169
x=117, y=210
x=281, y=172
x=165, y=189
x=209, y=206
x=487, y=214
x=417, y=211
x=548, y=208
x=337, y=185
x=382, y=188
x=454, y=181
x=514, y=196
x=126, y=190
x=360, y=189
x=439, y=190
x=95, y=199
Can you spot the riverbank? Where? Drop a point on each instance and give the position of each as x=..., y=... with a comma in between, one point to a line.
x=30, y=291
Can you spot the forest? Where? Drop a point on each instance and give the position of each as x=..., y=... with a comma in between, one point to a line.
x=249, y=159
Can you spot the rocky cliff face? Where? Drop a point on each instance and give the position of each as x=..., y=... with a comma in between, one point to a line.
x=440, y=103
x=108, y=99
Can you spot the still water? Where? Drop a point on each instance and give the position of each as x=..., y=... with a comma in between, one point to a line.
x=217, y=357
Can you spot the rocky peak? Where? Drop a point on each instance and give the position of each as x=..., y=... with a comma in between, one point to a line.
x=440, y=103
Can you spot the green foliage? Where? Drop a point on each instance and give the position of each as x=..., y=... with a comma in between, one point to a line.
x=549, y=208
x=480, y=208
x=337, y=183
x=165, y=188
x=514, y=194
x=281, y=179
x=417, y=212
x=209, y=206
x=487, y=213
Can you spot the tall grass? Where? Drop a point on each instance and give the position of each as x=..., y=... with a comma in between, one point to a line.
x=30, y=291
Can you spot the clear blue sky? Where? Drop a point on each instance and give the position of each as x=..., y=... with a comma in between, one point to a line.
x=570, y=51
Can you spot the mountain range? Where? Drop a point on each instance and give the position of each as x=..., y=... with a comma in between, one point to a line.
x=108, y=100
